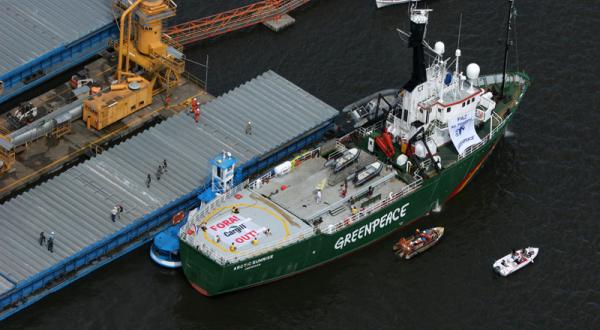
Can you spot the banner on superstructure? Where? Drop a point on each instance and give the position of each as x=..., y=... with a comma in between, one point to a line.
x=462, y=132
x=234, y=229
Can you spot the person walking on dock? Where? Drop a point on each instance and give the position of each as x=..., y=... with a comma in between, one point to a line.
x=319, y=196
x=165, y=165
x=249, y=128
x=113, y=214
x=51, y=242
x=159, y=172
x=119, y=211
x=148, y=181
x=197, y=115
x=42, y=238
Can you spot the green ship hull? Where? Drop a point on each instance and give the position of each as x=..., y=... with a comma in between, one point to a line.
x=211, y=278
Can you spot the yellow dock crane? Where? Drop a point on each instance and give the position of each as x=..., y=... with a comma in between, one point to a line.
x=141, y=42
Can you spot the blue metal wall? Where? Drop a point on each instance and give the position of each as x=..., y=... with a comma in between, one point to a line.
x=36, y=287
x=57, y=61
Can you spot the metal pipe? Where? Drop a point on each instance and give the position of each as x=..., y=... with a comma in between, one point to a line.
x=121, y=32
x=44, y=125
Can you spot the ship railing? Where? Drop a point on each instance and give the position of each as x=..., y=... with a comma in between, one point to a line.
x=300, y=159
x=346, y=199
x=437, y=123
x=257, y=251
x=256, y=184
x=497, y=127
x=344, y=139
x=333, y=228
x=296, y=162
x=426, y=163
x=366, y=131
x=212, y=205
x=497, y=79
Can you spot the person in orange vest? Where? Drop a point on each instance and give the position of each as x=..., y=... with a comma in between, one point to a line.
x=194, y=105
x=197, y=114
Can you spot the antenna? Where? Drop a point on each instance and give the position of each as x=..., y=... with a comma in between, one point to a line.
x=458, y=53
x=459, y=28
x=510, y=16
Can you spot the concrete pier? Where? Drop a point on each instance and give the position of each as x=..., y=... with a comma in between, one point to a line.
x=280, y=23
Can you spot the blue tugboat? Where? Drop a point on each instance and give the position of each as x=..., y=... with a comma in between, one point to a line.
x=165, y=246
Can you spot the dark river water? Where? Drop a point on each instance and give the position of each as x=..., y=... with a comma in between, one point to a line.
x=540, y=187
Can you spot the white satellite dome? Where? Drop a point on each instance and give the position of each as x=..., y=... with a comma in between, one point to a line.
x=473, y=71
x=439, y=48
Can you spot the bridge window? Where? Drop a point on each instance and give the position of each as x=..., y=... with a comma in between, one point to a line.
x=448, y=109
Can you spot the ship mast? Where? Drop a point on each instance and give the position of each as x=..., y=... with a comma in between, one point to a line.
x=508, y=28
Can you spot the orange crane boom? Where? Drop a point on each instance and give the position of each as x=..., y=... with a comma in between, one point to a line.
x=231, y=20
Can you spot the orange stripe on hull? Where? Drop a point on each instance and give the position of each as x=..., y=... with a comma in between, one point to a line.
x=470, y=175
x=199, y=289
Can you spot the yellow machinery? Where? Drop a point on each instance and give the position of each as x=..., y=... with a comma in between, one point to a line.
x=7, y=155
x=162, y=64
x=123, y=100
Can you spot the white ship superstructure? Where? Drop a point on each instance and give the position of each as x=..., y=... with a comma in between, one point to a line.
x=435, y=96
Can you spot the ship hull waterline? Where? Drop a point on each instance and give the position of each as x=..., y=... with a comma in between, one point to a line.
x=210, y=278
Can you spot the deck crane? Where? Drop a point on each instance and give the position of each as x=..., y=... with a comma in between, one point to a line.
x=160, y=55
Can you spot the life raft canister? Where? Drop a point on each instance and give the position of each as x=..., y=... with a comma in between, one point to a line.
x=178, y=217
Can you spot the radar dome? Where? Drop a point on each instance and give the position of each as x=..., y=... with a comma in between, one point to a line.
x=473, y=71
x=402, y=159
x=439, y=48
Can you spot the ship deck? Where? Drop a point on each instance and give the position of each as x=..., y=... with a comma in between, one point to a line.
x=299, y=197
x=283, y=210
x=229, y=236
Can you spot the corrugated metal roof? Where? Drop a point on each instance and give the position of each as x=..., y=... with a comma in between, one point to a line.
x=32, y=28
x=77, y=203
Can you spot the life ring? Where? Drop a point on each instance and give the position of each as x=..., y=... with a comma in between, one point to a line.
x=178, y=217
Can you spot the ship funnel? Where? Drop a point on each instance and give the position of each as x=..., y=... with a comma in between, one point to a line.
x=418, y=23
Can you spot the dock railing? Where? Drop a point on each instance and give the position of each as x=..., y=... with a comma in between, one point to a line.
x=333, y=228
